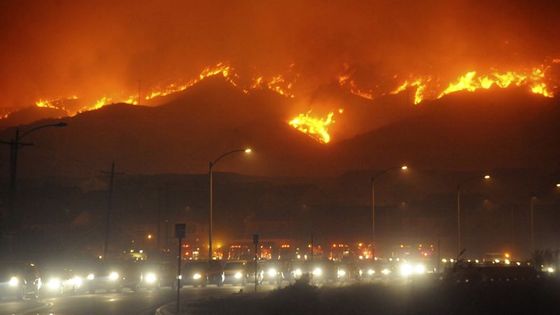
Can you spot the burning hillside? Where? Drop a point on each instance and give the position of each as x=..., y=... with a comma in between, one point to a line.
x=536, y=80
x=65, y=58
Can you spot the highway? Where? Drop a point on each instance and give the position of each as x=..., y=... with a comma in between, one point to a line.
x=126, y=302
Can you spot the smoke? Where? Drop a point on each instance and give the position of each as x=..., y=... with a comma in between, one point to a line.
x=58, y=48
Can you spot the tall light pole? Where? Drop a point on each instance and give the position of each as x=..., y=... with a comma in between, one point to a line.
x=211, y=165
x=15, y=144
x=459, y=192
x=372, y=182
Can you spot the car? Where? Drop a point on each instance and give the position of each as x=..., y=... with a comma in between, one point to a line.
x=105, y=276
x=60, y=280
x=202, y=273
x=368, y=270
x=235, y=272
x=145, y=275
x=19, y=280
x=271, y=272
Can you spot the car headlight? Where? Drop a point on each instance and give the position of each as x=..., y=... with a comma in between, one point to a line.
x=297, y=272
x=341, y=273
x=54, y=284
x=238, y=275
x=197, y=276
x=420, y=269
x=405, y=270
x=114, y=276
x=14, y=282
x=90, y=276
x=317, y=272
x=370, y=272
x=271, y=272
x=386, y=271
x=77, y=281
x=150, y=278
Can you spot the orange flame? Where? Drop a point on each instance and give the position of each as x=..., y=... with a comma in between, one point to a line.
x=418, y=84
x=276, y=84
x=534, y=79
x=345, y=80
x=317, y=128
x=218, y=69
x=427, y=88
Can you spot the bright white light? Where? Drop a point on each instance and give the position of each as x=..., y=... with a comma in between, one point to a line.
x=405, y=270
x=386, y=271
x=341, y=273
x=196, y=276
x=248, y=150
x=370, y=272
x=238, y=275
x=507, y=262
x=444, y=260
x=550, y=270
x=404, y=167
x=77, y=281
x=113, y=276
x=271, y=272
x=14, y=282
x=54, y=284
x=297, y=272
x=419, y=269
x=317, y=272
x=150, y=278
x=90, y=276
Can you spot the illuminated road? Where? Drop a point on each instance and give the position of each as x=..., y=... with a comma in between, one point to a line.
x=138, y=303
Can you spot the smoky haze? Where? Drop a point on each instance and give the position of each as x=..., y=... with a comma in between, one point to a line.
x=90, y=48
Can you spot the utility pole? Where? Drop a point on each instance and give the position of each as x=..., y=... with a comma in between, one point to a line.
x=14, y=217
x=256, y=242
x=111, y=174
x=15, y=145
x=532, y=222
x=180, y=234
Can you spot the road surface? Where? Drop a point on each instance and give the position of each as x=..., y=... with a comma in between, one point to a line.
x=124, y=303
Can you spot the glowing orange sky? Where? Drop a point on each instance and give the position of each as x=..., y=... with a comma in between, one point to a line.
x=63, y=48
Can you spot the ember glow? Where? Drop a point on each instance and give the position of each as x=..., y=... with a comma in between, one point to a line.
x=316, y=128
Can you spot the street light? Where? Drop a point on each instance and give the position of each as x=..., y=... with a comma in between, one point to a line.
x=373, y=180
x=459, y=186
x=15, y=145
x=210, y=180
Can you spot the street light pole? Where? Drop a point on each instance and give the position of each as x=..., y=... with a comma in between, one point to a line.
x=211, y=165
x=15, y=145
x=459, y=193
x=372, y=183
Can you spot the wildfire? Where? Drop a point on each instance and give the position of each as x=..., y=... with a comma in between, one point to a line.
x=55, y=103
x=219, y=69
x=418, y=84
x=346, y=81
x=470, y=81
x=425, y=87
x=276, y=84
x=317, y=128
